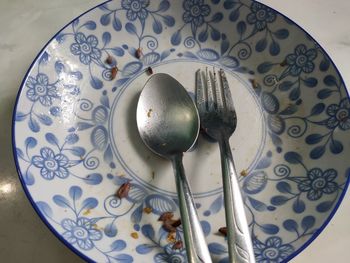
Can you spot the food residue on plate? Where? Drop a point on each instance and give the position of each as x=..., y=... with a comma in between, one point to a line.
x=109, y=60
x=138, y=53
x=244, y=172
x=87, y=212
x=114, y=72
x=147, y=210
x=254, y=83
x=166, y=216
x=134, y=235
x=149, y=113
x=171, y=237
x=149, y=71
x=178, y=245
x=283, y=63
x=95, y=226
x=123, y=190
x=169, y=224
x=223, y=231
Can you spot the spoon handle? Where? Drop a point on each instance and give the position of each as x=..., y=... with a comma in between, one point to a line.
x=239, y=241
x=196, y=247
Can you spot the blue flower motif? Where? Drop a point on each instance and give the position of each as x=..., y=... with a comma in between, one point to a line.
x=194, y=14
x=272, y=251
x=339, y=115
x=301, y=60
x=171, y=256
x=260, y=16
x=81, y=232
x=40, y=89
x=136, y=9
x=51, y=164
x=85, y=48
x=318, y=183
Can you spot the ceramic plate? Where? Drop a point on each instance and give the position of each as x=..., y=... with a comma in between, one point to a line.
x=76, y=140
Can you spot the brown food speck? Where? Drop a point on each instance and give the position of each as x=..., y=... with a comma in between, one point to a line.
x=138, y=53
x=123, y=190
x=149, y=71
x=171, y=237
x=114, y=72
x=283, y=63
x=88, y=211
x=81, y=157
x=134, y=235
x=223, y=230
x=254, y=83
x=147, y=210
x=166, y=216
x=176, y=223
x=178, y=245
x=168, y=226
x=109, y=60
x=149, y=113
x=244, y=172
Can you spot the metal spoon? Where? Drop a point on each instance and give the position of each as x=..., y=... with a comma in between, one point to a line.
x=168, y=123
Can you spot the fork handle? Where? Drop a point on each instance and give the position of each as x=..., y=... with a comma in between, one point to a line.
x=239, y=241
x=196, y=247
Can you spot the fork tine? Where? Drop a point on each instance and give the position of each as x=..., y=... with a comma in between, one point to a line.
x=200, y=90
x=227, y=100
x=210, y=93
x=218, y=92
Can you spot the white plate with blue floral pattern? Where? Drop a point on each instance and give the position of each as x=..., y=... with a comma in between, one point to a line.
x=76, y=141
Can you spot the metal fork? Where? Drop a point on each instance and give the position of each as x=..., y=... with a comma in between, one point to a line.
x=218, y=119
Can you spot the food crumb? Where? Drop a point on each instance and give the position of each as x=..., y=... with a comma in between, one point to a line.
x=168, y=226
x=254, y=83
x=95, y=226
x=134, y=235
x=166, y=216
x=171, y=237
x=109, y=60
x=176, y=223
x=149, y=71
x=164, y=144
x=223, y=230
x=138, y=53
x=149, y=113
x=114, y=72
x=87, y=212
x=123, y=190
x=244, y=172
x=283, y=63
x=147, y=210
x=178, y=245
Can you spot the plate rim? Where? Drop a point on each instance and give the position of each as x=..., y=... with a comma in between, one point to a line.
x=84, y=256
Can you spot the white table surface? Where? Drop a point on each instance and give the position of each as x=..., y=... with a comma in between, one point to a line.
x=26, y=26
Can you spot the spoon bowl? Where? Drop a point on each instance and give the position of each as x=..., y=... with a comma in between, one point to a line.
x=167, y=118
